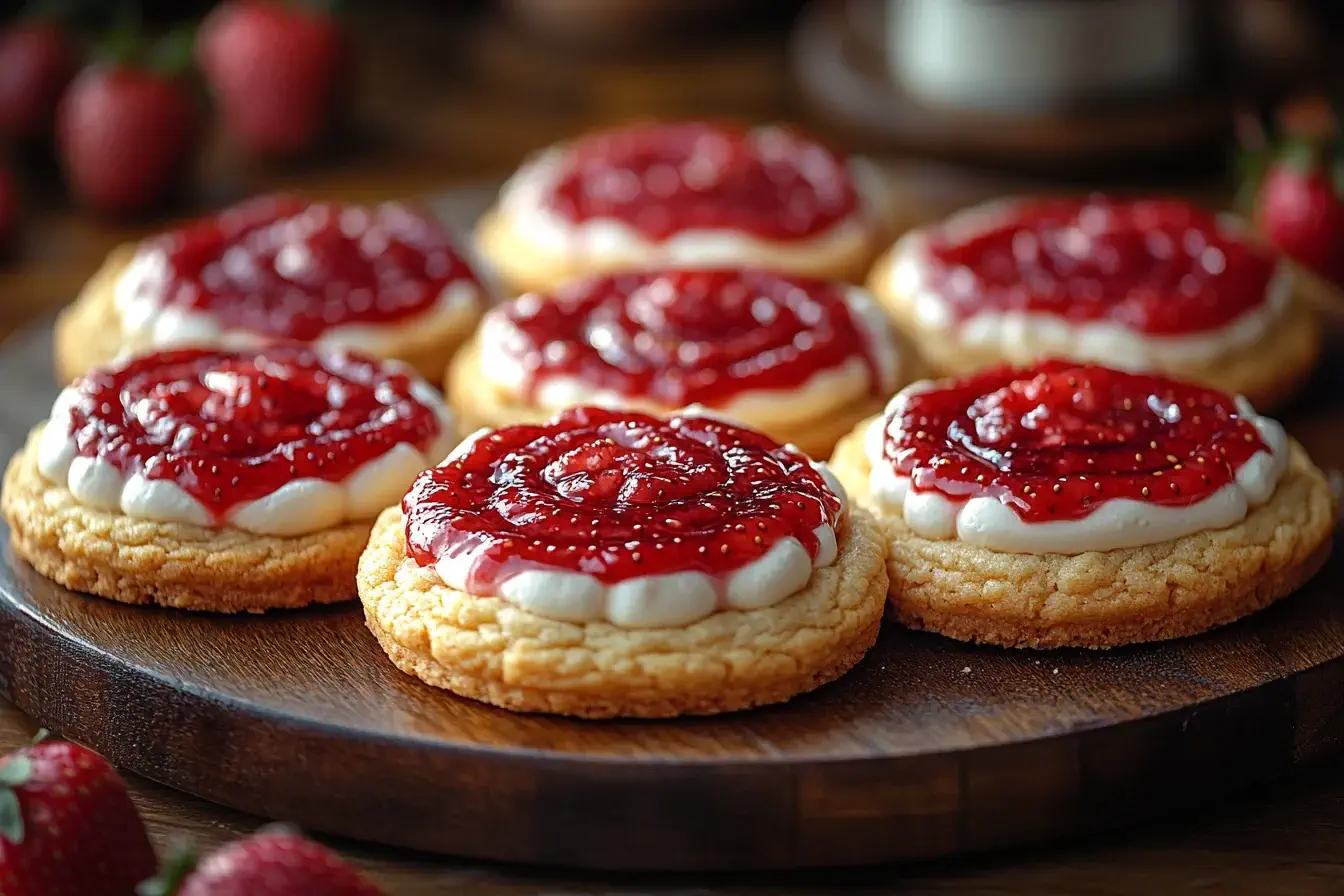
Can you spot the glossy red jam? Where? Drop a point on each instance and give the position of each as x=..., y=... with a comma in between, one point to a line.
x=616, y=495
x=686, y=337
x=1055, y=440
x=661, y=179
x=288, y=268
x=1160, y=266
x=230, y=427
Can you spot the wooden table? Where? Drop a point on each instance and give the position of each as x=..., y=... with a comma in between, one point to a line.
x=444, y=100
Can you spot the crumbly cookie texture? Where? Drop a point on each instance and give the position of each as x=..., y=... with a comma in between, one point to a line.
x=1104, y=599
x=1267, y=373
x=524, y=267
x=487, y=649
x=171, y=564
x=477, y=403
x=89, y=333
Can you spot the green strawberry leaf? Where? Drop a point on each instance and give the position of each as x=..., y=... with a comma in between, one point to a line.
x=1299, y=154
x=172, y=54
x=1251, y=167
x=16, y=771
x=11, y=817
x=330, y=7
x=41, y=735
x=181, y=862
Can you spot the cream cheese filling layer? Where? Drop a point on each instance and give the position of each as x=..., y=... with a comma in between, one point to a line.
x=1020, y=337
x=666, y=600
x=503, y=351
x=1114, y=524
x=298, y=507
x=147, y=323
x=611, y=242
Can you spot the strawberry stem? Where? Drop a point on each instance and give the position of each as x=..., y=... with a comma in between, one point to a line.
x=16, y=772
x=181, y=862
x=41, y=735
x=172, y=54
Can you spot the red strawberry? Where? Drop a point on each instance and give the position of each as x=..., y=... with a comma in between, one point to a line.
x=36, y=62
x=67, y=826
x=1300, y=208
x=125, y=135
x=272, y=862
x=275, y=71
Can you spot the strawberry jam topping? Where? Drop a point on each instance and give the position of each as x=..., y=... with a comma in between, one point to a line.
x=287, y=268
x=1054, y=441
x=616, y=495
x=661, y=179
x=230, y=427
x=1160, y=266
x=686, y=337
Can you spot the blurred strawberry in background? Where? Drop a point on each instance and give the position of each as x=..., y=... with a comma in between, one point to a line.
x=127, y=129
x=1300, y=206
x=274, y=861
x=37, y=60
x=275, y=71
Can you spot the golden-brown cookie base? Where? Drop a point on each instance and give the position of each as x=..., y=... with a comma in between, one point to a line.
x=1267, y=373
x=477, y=403
x=489, y=650
x=1104, y=599
x=171, y=564
x=524, y=267
x=89, y=332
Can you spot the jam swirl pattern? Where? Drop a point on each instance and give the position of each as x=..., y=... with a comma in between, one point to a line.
x=1159, y=266
x=617, y=496
x=1055, y=441
x=661, y=179
x=676, y=338
x=230, y=427
x=283, y=267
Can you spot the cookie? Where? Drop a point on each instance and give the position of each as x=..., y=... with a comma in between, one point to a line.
x=1076, y=506
x=1145, y=285
x=801, y=360
x=221, y=481
x=686, y=193
x=384, y=280
x=615, y=564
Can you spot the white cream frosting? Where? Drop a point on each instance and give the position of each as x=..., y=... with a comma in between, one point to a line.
x=1020, y=337
x=502, y=351
x=654, y=601
x=147, y=323
x=298, y=507
x=611, y=242
x=1114, y=524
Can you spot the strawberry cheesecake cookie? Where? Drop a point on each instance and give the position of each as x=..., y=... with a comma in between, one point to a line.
x=384, y=280
x=686, y=194
x=801, y=360
x=1148, y=285
x=609, y=563
x=1077, y=505
x=220, y=480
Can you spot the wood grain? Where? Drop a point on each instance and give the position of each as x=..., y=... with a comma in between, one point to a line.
x=928, y=748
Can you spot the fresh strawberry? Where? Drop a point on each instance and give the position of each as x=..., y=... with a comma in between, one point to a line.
x=36, y=62
x=67, y=826
x=272, y=862
x=1300, y=208
x=126, y=134
x=275, y=70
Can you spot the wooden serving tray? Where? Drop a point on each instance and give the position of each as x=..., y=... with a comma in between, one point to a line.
x=929, y=747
